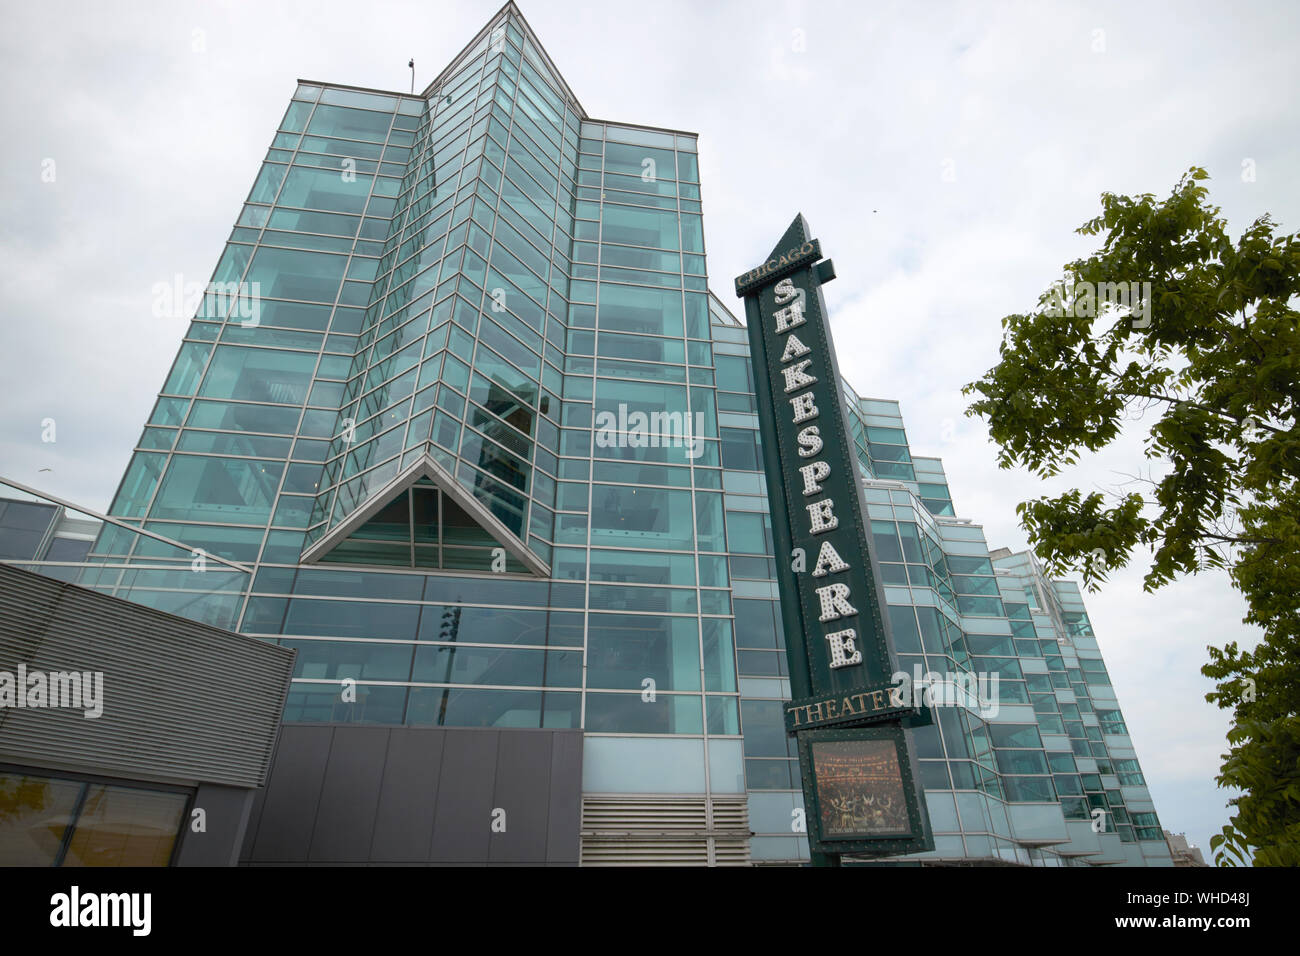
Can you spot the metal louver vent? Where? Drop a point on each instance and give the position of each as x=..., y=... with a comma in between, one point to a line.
x=183, y=702
x=665, y=831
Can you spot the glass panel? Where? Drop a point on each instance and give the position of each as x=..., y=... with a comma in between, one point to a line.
x=259, y=375
x=719, y=667
x=756, y=624
x=631, y=516
x=336, y=660
x=297, y=274
x=625, y=651
x=764, y=725
x=34, y=815
x=495, y=665
x=638, y=226
x=350, y=123
x=374, y=705
x=23, y=526
x=123, y=826
x=138, y=485
x=650, y=311
x=225, y=489
x=325, y=190
x=460, y=707
x=634, y=714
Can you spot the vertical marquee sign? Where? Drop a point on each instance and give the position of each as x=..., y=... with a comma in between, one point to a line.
x=861, y=793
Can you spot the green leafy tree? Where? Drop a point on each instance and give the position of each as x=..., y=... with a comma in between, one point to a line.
x=1171, y=326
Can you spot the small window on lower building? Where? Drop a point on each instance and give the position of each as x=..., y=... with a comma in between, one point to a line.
x=47, y=821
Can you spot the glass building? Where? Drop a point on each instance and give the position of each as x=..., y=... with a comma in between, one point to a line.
x=459, y=420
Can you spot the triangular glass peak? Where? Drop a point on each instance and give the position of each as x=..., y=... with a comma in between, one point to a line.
x=426, y=520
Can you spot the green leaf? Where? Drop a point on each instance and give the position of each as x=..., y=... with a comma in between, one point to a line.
x=1216, y=374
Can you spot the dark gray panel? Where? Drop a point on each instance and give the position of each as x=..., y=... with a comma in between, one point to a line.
x=226, y=812
x=345, y=815
x=564, y=842
x=409, y=794
x=254, y=816
x=284, y=829
x=382, y=795
x=522, y=791
x=461, y=824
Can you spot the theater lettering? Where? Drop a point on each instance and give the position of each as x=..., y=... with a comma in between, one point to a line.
x=833, y=599
x=838, y=646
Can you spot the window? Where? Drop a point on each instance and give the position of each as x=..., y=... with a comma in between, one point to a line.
x=630, y=714
x=46, y=821
x=1077, y=624
x=651, y=311
x=764, y=725
x=230, y=490
x=67, y=549
x=637, y=226
x=1015, y=735
x=757, y=624
x=630, y=516
x=259, y=375
x=734, y=373
x=740, y=449
x=749, y=532
x=23, y=526
x=295, y=274
x=350, y=123
x=624, y=649
x=1112, y=722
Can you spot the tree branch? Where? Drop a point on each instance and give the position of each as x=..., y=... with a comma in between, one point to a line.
x=1239, y=540
x=1157, y=396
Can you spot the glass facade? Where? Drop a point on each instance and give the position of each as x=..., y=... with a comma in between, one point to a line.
x=459, y=420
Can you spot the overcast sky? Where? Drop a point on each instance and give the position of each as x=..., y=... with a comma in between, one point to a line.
x=943, y=153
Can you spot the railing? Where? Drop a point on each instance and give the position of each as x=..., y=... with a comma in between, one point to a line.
x=135, y=564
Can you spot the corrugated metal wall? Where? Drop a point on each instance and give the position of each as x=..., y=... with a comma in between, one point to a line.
x=183, y=702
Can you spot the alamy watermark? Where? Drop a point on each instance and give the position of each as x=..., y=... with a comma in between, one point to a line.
x=638, y=429
x=978, y=691
x=179, y=299
x=34, y=689
x=1091, y=299
x=75, y=909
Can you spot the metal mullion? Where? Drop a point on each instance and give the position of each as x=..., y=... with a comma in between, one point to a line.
x=73, y=817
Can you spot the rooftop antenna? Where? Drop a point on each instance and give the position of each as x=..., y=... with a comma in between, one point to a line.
x=412, y=66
